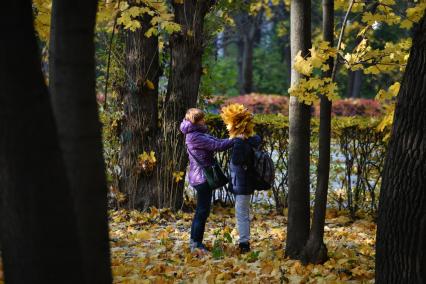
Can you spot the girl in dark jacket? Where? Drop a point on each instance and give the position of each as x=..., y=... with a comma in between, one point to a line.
x=201, y=148
x=239, y=122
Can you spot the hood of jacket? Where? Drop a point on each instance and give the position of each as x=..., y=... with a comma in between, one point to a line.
x=187, y=127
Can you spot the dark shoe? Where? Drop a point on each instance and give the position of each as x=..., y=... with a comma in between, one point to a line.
x=244, y=247
x=198, y=248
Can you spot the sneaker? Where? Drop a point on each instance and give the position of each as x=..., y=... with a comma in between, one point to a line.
x=244, y=247
x=198, y=248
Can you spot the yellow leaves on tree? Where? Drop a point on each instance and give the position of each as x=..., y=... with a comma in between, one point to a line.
x=147, y=161
x=386, y=97
x=238, y=120
x=414, y=15
x=308, y=89
x=178, y=176
x=393, y=57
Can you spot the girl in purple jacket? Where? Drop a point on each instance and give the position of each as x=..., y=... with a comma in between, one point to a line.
x=203, y=146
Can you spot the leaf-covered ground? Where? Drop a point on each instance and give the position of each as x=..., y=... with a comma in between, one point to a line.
x=153, y=248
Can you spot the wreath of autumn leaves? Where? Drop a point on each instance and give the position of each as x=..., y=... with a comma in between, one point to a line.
x=238, y=120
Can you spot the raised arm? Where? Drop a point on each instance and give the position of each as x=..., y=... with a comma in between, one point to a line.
x=211, y=143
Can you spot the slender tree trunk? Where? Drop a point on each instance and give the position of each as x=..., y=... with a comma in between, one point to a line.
x=38, y=227
x=227, y=35
x=401, y=224
x=186, y=67
x=351, y=76
x=281, y=14
x=248, y=30
x=74, y=104
x=140, y=122
x=240, y=56
x=315, y=250
x=247, y=66
x=299, y=118
x=356, y=91
x=354, y=84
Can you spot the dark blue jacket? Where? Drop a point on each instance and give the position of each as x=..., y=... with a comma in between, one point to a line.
x=241, y=165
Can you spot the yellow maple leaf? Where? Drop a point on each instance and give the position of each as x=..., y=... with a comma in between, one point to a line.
x=149, y=84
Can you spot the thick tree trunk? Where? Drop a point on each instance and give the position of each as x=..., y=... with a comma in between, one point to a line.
x=299, y=118
x=186, y=53
x=38, y=227
x=315, y=250
x=74, y=104
x=401, y=224
x=140, y=122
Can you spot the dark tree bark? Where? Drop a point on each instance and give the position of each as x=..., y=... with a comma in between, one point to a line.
x=140, y=122
x=247, y=66
x=401, y=224
x=299, y=118
x=315, y=250
x=281, y=14
x=75, y=108
x=38, y=227
x=248, y=28
x=354, y=84
x=186, y=67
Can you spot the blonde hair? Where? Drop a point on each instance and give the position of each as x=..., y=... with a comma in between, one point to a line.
x=238, y=120
x=194, y=115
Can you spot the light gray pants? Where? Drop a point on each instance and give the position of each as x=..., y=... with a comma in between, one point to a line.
x=242, y=212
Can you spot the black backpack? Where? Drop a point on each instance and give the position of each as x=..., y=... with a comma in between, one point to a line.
x=264, y=169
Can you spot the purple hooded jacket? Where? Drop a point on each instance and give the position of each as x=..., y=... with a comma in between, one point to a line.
x=202, y=146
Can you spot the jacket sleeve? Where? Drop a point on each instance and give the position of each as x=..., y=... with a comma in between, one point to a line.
x=212, y=143
x=238, y=152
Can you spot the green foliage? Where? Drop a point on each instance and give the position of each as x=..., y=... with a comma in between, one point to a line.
x=220, y=76
x=269, y=70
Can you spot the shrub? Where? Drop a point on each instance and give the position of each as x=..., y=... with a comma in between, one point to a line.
x=358, y=150
x=354, y=107
x=273, y=104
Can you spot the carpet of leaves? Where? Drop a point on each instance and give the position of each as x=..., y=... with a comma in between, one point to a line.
x=153, y=247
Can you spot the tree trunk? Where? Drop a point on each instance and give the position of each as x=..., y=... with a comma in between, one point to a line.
x=75, y=108
x=401, y=224
x=248, y=28
x=240, y=56
x=299, y=139
x=140, y=122
x=351, y=76
x=354, y=84
x=281, y=14
x=247, y=66
x=356, y=91
x=186, y=53
x=38, y=227
x=315, y=250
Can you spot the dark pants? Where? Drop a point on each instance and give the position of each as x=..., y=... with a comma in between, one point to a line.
x=204, y=197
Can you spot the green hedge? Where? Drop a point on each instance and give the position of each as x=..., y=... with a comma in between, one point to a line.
x=358, y=151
